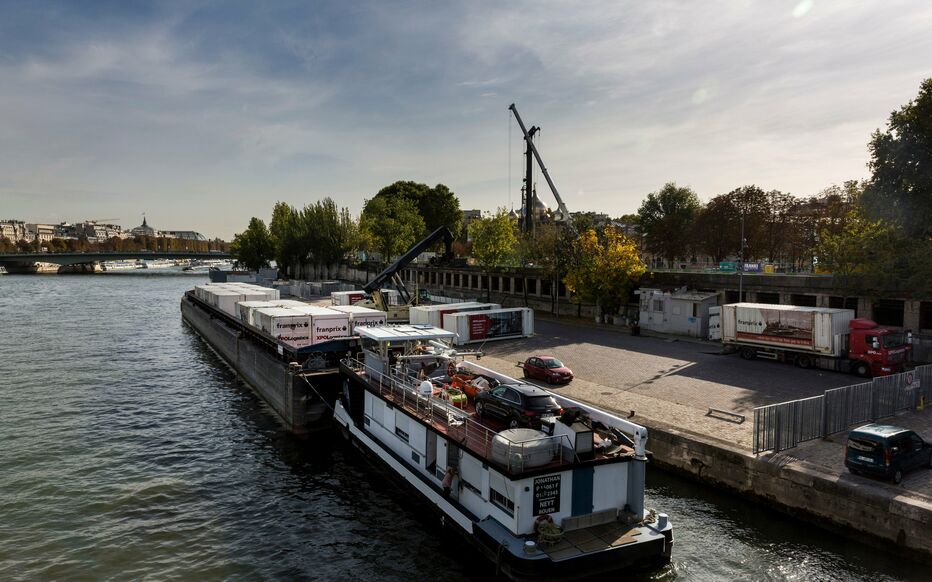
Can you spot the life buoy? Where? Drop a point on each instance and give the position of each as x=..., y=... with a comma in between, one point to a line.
x=542, y=518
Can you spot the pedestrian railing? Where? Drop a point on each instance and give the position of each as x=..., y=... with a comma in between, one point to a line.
x=782, y=426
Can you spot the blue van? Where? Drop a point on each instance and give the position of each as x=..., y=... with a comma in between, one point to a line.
x=886, y=451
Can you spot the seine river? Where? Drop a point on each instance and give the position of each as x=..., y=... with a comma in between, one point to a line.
x=129, y=451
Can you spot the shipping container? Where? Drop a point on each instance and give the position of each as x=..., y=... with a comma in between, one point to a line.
x=346, y=297
x=433, y=314
x=362, y=316
x=472, y=327
x=225, y=300
x=819, y=330
x=287, y=325
x=326, y=324
x=247, y=310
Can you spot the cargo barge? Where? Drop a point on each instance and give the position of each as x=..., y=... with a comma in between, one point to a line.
x=299, y=384
x=553, y=496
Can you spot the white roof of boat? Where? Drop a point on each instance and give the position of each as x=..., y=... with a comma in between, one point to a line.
x=383, y=333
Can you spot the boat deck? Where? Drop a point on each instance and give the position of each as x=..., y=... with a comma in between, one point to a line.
x=592, y=539
x=463, y=425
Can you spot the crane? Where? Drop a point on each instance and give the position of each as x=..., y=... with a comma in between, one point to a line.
x=529, y=192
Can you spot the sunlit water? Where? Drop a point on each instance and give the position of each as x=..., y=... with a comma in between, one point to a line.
x=129, y=451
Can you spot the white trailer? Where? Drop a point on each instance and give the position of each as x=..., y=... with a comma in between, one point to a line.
x=817, y=330
x=495, y=324
x=362, y=316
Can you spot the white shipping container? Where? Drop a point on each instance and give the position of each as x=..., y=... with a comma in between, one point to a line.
x=433, y=314
x=287, y=325
x=819, y=330
x=362, y=316
x=225, y=300
x=495, y=324
x=247, y=310
x=326, y=324
x=346, y=297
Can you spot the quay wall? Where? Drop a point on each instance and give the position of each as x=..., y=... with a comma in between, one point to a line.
x=872, y=514
x=286, y=393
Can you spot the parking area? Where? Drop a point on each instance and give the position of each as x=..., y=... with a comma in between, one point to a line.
x=673, y=382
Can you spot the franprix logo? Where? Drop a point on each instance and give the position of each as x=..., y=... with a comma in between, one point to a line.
x=291, y=326
x=330, y=329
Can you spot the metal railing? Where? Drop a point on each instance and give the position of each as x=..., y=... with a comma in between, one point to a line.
x=782, y=426
x=402, y=390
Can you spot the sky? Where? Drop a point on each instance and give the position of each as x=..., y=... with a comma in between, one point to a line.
x=203, y=114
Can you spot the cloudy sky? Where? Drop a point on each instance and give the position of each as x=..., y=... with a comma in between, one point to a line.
x=202, y=114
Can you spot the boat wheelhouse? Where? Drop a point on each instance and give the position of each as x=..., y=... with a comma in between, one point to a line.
x=559, y=498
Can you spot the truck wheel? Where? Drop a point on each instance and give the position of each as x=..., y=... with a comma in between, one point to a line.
x=862, y=369
x=748, y=354
x=804, y=362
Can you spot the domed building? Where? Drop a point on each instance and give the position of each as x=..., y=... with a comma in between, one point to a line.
x=144, y=229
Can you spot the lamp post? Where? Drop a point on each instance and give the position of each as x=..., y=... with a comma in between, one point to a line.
x=741, y=262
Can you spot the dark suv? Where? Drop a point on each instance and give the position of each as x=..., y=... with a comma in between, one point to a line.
x=886, y=451
x=517, y=404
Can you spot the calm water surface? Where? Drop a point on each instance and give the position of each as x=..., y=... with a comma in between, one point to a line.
x=129, y=451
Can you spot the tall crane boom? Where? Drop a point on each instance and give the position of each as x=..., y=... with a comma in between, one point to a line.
x=564, y=211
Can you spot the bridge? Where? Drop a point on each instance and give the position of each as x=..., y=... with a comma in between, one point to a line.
x=26, y=262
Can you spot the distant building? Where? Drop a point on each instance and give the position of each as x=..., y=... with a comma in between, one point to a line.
x=183, y=234
x=468, y=217
x=144, y=229
x=13, y=230
x=40, y=232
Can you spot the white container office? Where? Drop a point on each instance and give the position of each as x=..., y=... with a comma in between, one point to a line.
x=496, y=324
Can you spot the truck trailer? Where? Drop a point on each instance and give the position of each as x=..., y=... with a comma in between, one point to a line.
x=814, y=337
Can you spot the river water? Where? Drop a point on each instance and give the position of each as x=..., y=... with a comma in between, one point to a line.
x=129, y=451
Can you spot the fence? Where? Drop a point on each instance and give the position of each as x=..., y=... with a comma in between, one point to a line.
x=782, y=426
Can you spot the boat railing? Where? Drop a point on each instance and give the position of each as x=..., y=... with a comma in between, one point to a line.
x=516, y=456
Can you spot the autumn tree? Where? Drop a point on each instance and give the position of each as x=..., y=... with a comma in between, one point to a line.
x=494, y=241
x=604, y=268
x=253, y=247
x=666, y=218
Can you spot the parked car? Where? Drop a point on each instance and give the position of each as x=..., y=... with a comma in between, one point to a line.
x=517, y=404
x=546, y=368
x=886, y=451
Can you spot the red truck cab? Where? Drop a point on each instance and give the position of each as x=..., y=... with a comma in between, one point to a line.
x=875, y=350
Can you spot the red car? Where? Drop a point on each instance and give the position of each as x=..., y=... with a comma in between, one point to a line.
x=546, y=368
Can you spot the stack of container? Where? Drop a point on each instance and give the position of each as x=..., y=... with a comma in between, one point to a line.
x=362, y=316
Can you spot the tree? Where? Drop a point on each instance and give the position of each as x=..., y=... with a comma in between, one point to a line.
x=900, y=187
x=858, y=254
x=437, y=206
x=253, y=247
x=494, y=241
x=546, y=247
x=604, y=268
x=393, y=225
x=666, y=218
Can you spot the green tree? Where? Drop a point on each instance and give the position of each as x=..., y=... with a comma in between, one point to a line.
x=437, y=206
x=604, y=268
x=900, y=187
x=253, y=247
x=666, y=218
x=392, y=225
x=494, y=241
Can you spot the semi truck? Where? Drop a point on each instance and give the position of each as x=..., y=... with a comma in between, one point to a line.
x=814, y=337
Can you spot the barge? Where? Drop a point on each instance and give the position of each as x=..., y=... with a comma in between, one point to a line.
x=543, y=496
x=299, y=384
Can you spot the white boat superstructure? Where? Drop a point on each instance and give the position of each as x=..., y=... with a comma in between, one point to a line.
x=559, y=498
x=123, y=265
x=158, y=264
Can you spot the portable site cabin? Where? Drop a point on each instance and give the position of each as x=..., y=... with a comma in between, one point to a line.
x=679, y=312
